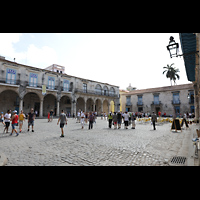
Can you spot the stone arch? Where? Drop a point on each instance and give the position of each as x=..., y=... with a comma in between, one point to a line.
x=105, y=91
x=90, y=105
x=112, y=91
x=98, y=106
x=9, y=99
x=98, y=89
x=112, y=106
x=106, y=106
x=49, y=103
x=80, y=104
x=65, y=104
x=31, y=100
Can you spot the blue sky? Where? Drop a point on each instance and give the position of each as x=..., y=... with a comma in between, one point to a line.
x=114, y=58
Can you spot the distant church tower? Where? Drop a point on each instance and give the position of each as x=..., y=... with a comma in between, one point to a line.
x=130, y=88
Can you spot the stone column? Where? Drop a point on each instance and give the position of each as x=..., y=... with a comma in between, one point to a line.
x=41, y=108
x=20, y=105
x=58, y=109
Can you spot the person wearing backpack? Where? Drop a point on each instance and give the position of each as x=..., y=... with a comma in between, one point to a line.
x=14, y=120
x=91, y=120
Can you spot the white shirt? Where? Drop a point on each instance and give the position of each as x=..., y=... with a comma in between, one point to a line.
x=82, y=115
x=7, y=116
x=126, y=117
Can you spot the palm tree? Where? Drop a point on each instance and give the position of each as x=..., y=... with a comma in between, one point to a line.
x=172, y=73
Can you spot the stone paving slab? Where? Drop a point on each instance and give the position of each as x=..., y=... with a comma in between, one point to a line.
x=100, y=146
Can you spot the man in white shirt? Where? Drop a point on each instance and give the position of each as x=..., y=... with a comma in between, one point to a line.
x=126, y=118
x=7, y=118
x=82, y=119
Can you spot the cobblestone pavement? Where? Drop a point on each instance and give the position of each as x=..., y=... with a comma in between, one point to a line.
x=100, y=146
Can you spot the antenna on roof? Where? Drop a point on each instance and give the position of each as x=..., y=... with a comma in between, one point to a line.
x=14, y=59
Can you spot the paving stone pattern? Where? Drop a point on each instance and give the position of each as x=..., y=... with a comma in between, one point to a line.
x=100, y=146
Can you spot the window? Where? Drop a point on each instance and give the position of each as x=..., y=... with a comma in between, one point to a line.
x=98, y=89
x=33, y=80
x=191, y=96
x=176, y=98
x=128, y=100
x=66, y=85
x=51, y=83
x=156, y=99
x=84, y=87
x=105, y=90
x=11, y=76
x=112, y=91
x=140, y=100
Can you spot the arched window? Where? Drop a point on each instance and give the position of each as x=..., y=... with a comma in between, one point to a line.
x=112, y=91
x=105, y=91
x=98, y=89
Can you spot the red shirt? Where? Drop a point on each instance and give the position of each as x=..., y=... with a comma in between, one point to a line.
x=15, y=120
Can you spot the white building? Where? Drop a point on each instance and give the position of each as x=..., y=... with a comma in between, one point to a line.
x=21, y=89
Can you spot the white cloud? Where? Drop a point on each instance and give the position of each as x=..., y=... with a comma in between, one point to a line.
x=6, y=44
x=34, y=56
x=41, y=57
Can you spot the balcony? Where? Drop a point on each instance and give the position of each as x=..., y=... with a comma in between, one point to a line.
x=95, y=92
x=139, y=103
x=176, y=102
x=156, y=103
x=128, y=104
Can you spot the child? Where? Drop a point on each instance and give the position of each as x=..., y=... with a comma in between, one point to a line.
x=62, y=119
x=2, y=118
x=14, y=120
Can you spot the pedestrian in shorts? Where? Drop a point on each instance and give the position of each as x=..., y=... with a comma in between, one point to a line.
x=7, y=118
x=63, y=120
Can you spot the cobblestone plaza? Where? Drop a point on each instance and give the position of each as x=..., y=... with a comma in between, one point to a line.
x=100, y=146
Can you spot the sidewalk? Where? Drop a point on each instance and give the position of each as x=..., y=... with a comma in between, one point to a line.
x=3, y=159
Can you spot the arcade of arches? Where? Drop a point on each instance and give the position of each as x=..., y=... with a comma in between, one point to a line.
x=11, y=99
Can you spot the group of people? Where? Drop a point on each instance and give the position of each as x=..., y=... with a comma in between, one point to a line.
x=16, y=120
x=127, y=118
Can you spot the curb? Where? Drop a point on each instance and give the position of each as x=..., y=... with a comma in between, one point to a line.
x=3, y=159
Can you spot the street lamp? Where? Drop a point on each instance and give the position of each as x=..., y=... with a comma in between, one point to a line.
x=173, y=47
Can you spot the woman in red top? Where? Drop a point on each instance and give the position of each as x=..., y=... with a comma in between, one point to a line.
x=14, y=120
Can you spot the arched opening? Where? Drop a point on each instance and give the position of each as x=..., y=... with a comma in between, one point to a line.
x=98, y=108
x=98, y=89
x=49, y=104
x=105, y=91
x=90, y=105
x=80, y=104
x=31, y=100
x=112, y=106
x=105, y=106
x=9, y=100
x=112, y=91
x=65, y=104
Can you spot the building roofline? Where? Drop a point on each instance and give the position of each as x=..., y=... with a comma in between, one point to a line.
x=161, y=89
x=12, y=62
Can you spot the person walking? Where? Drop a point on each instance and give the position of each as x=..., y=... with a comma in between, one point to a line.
x=110, y=119
x=133, y=118
x=14, y=120
x=63, y=120
x=126, y=119
x=154, y=120
x=91, y=120
x=51, y=115
x=21, y=119
x=115, y=120
x=7, y=118
x=119, y=119
x=31, y=118
x=82, y=119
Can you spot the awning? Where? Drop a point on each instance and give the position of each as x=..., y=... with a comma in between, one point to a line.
x=188, y=46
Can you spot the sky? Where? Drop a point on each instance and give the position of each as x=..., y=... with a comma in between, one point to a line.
x=116, y=58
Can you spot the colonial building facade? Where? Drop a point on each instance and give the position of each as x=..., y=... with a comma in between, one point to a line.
x=23, y=87
x=170, y=99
